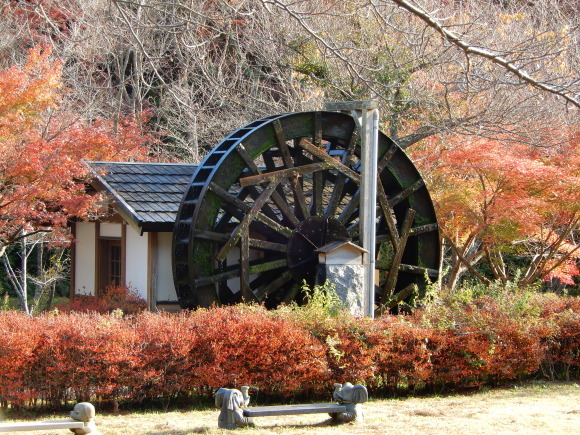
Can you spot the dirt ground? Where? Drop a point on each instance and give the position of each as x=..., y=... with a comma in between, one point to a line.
x=536, y=408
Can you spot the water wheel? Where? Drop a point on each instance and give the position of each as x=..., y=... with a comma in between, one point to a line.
x=271, y=193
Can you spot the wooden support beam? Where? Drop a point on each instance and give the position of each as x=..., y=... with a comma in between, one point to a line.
x=278, y=176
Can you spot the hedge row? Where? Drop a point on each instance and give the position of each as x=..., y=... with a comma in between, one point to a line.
x=57, y=358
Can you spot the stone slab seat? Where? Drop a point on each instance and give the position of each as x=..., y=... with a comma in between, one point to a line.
x=41, y=425
x=82, y=422
x=317, y=408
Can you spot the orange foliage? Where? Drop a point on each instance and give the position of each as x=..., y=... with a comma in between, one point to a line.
x=41, y=172
x=507, y=194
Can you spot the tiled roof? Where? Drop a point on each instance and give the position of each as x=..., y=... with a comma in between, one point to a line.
x=147, y=194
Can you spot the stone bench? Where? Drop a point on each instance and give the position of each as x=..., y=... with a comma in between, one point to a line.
x=235, y=412
x=81, y=422
x=315, y=408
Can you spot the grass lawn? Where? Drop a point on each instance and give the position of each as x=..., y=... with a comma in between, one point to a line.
x=532, y=408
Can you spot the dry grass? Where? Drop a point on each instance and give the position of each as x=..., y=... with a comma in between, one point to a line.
x=537, y=408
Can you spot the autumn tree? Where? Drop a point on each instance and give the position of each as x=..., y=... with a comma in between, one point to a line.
x=495, y=200
x=42, y=176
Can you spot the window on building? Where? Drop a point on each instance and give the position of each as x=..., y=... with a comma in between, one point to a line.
x=110, y=263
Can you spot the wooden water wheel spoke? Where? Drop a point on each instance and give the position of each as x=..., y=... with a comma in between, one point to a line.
x=317, y=188
x=336, y=195
x=279, y=175
x=264, y=245
x=246, y=290
x=353, y=229
x=232, y=272
x=299, y=197
x=274, y=285
x=387, y=213
x=351, y=208
x=282, y=146
x=384, y=161
x=433, y=273
x=264, y=266
x=273, y=166
x=317, y=152
x=258, y=244
x=245, y=223
x=350, y=149
x=399, y=297
x=249, y=226
x=287, y=213
x=392, y=277
x=284, y=208
x=245, y=208
x=424, y=229
x=253, y=192
x=406, y=193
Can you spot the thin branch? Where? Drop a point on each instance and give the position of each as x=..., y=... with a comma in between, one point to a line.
x=456, y=40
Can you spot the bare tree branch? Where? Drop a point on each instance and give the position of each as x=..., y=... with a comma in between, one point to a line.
x=469, y=49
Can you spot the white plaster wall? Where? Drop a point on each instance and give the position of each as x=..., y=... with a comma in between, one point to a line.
x=136, y=265
x=234, y=258
x=110, y=230
x=85, y=258
x=165, y=288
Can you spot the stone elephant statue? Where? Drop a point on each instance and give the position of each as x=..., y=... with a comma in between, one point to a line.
x=231, y=402
x=352, y=396
x=84, y=412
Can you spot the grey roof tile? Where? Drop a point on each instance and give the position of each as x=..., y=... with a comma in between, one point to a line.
x=152, y=190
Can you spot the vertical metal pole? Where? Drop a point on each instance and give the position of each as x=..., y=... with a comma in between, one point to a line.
x=368, y=207
x=369, y=125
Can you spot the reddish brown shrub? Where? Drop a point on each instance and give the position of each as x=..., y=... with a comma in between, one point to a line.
x=19, y=335
x=167, y=341
x=60, y=358
x=248, y=346
x=124, y=298
x=401, y=355
x=81, y=356
x=560, y=334
x=480, y=340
